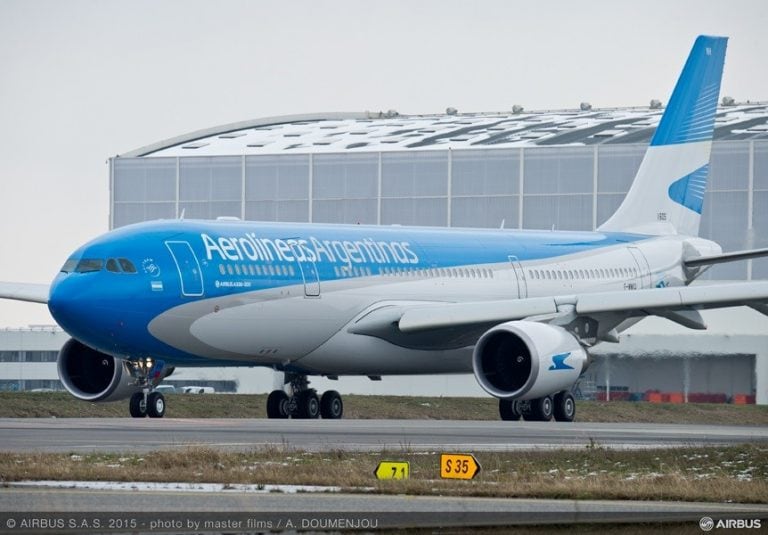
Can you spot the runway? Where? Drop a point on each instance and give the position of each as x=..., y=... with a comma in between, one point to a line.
x=127, y=434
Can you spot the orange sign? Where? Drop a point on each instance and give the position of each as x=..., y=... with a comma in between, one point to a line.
x=458, y=466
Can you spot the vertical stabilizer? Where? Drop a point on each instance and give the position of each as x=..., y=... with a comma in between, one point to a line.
x=667, y=194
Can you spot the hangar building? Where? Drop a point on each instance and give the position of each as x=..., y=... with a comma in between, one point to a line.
x=562, y=170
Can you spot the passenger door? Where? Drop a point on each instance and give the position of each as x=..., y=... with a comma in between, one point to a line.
x=308, y=270
x=522, y=284
x=190, y=274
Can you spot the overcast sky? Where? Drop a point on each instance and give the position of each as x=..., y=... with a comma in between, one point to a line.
x=81, y=81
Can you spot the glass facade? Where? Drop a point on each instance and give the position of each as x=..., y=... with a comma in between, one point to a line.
x=561, y=188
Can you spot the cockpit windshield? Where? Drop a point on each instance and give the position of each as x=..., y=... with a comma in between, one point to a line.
x=69, y=265
x=127, y=265
x=86, y=265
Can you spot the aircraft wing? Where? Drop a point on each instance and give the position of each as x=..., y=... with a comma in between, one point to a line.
x=447, y=325
x=21, y=291
x=632, y=303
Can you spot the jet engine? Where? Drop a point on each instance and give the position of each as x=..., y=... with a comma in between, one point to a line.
x=523, y=360
x=94, y=376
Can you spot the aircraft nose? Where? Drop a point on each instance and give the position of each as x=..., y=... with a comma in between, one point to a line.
x=62, y=299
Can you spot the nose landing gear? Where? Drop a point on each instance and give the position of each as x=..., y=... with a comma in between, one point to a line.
x=148, y=373
x=304, y=402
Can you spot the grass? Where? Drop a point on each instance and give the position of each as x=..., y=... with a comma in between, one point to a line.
x=716, y=474
x=62, y=405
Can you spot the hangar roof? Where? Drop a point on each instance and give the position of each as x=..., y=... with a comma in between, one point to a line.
x=366, y=132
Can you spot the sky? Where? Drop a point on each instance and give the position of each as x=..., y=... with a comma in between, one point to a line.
x=81, y=81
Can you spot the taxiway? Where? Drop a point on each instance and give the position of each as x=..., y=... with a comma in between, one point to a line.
x=127, y=434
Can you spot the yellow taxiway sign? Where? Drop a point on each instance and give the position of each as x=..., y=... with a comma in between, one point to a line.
x=393, y=470
x=458, y=466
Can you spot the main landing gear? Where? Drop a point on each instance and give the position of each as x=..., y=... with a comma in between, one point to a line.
x=304, y=403
x=148, y=373
x=561, y=406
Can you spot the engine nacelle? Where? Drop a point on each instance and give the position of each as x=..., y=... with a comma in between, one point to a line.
x=527, y=360
x=91, y=375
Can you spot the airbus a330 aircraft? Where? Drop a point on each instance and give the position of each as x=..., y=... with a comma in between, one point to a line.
x=520, y=309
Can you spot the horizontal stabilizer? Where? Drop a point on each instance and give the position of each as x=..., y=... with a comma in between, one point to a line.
x=20, y=291
x=725, y=257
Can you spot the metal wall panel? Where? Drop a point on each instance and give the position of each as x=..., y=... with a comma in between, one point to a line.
x=425, y=211
x=281, y=178
x=215, y=178
x=485, y=212
x=617, y=166
x=353, y=211
x=564, y=170
x=729, y=167
x=144, y=179
x=414, y=174
x=345, y=176
x=485, y=172
x=557, y=212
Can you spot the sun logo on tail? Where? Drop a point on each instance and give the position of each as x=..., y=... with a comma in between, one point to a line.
x=689, y=190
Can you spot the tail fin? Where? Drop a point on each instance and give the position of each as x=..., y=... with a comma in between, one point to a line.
x=667, y=194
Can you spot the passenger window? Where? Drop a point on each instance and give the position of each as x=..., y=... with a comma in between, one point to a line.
x=112, y=266
x=221, y=269
x=87, y=265
x=127, y=265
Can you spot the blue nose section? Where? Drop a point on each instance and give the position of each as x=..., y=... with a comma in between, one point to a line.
x=79, y=304
x=64, y=302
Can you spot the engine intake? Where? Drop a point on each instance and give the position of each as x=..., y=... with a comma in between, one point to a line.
x=91, y=375
x=527, y=360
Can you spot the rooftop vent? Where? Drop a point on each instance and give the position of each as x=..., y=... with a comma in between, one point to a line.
x=517, y=108
x=728, y=101
x=585, y=106
x=451, y=111
x=194, y=145
x=655, y=104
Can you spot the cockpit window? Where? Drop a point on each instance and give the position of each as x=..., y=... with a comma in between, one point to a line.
x=87, y=265
x=69, y=265
x=127, y=265
x=112, y=266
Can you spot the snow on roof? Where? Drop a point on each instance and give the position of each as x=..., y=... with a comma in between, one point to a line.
x=367, y=132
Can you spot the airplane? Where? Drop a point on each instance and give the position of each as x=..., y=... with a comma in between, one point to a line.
x=520, y=309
